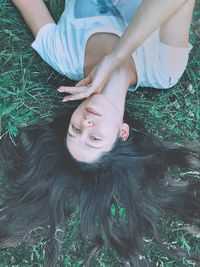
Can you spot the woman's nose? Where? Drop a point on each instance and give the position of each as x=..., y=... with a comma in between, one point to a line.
x=88, y=122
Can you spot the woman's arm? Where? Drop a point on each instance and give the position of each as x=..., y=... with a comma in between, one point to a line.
x=35, y=14
x=150, y=16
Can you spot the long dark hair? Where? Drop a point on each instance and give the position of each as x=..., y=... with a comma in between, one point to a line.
x=42, y=185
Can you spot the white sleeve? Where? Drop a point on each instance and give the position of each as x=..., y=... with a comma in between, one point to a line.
x=46, y=46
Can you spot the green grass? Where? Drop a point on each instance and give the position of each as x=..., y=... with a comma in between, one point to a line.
x=28, y=96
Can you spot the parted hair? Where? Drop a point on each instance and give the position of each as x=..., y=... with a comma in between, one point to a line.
x=42, y=185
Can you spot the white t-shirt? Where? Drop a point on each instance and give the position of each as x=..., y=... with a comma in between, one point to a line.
x=62, y=45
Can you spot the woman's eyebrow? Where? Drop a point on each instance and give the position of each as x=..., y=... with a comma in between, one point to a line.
x=93, y=146
x=73, y=136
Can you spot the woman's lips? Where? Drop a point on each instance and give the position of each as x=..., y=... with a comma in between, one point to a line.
x=93, y=111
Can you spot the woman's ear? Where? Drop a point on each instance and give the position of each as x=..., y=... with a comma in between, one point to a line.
x=124, y=131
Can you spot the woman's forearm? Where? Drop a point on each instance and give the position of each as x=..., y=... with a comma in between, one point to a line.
x=150, y=16
x=34, y=12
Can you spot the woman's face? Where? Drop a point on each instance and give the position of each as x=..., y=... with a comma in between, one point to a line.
x=94, y=127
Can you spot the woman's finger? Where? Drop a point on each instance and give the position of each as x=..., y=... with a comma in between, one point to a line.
x=75, y=97
x=78, y=96
x=84, y=82
x=72, y=89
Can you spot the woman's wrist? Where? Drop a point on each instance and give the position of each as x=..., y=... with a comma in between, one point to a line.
x=117, y=59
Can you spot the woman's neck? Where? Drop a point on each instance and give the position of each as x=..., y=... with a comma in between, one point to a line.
x=116, y=88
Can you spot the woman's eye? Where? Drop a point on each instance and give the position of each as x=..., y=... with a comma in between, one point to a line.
x=95, y=138
x=76, y=129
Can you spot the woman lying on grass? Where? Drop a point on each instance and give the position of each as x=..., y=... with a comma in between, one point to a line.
x=152, y=52
x=43, y=185
x=100, y=161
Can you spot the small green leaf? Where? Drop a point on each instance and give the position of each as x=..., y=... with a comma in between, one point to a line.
x=122, y=213
x=113, y=210
x=67, y=261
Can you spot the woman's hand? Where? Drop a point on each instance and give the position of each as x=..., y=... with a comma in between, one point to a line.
x=94, y=83
x=81, y=90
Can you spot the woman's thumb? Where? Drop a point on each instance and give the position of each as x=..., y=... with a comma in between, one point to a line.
x=84, y=82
